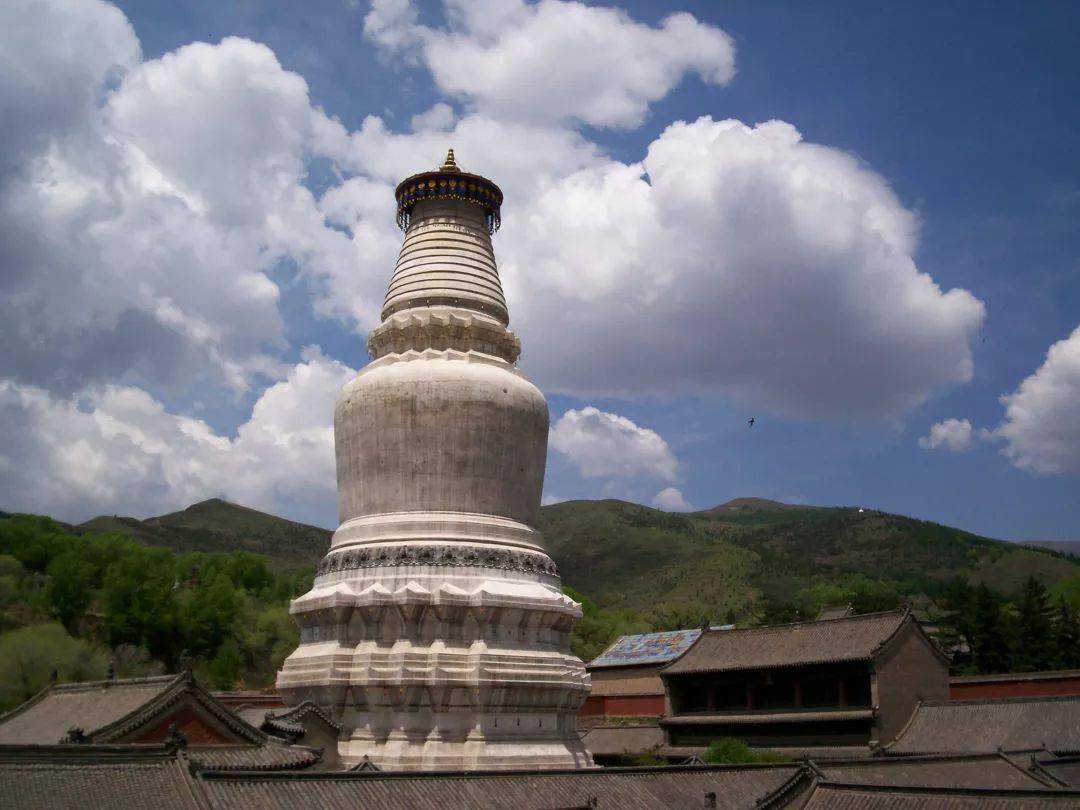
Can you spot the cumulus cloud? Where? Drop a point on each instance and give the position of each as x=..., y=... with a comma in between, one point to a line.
x=671, y=500
x=554, y=60
x=741, y=260
x=602, y=444
x=117, y=449
x=1042, y=417
x=145, y=204
x=955, y=435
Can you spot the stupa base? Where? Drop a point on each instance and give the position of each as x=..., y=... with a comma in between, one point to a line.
x=401, y=752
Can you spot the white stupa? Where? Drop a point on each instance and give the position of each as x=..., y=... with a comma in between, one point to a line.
x=436, y=631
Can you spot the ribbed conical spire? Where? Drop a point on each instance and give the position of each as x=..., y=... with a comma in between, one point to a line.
x=447, y=258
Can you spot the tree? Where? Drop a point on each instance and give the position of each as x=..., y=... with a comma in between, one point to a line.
x=29, y=656
x=224, y=669
x=1036, y=650
x=209, y=613
x=1066, y=636
x=957, y=623
x=989, y=641
x=728, y=750
x=71, y=586
x=139, y=607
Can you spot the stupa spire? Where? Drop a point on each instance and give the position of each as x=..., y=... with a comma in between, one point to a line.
x=449, y=165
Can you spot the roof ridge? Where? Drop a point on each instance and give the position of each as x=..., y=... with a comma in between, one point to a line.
x=1005, y=700
x=858, y=616
x=493, y=774
x=109, y=683
x=954, y=790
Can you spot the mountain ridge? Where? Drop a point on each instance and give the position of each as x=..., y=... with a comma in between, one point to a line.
x=723, y=560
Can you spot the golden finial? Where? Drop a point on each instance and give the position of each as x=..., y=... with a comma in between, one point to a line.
x=449, y=165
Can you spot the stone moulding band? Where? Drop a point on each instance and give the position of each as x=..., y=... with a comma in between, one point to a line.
x=431, y=527
x=454, y=556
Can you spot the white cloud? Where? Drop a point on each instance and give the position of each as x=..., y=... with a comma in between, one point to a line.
x=736, y=260
x=146, y=203
x=1042, y=417
x=671, y=500
x=604, y=444
x=955, y=435
x=550, y=499
x=439, y=118
x=554, y=60
x=118, y=450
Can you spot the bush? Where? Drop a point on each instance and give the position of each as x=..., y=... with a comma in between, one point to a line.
x=30, y=655
x=730, y=751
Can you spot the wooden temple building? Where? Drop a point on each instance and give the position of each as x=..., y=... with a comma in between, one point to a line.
x=845, y=683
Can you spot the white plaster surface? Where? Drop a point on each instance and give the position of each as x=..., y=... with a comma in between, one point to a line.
x=436, y=631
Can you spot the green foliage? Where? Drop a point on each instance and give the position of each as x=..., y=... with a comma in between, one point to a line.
x=71, y=580
x=760, y=560
x=989, y=639
x=224, y=670
x=1068, y=588
x=30, y=655
x=731, y=751
x=225, y=613
x=1035, y=628
x=1066, y=636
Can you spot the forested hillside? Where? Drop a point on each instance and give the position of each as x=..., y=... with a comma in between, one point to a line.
x=209, y=586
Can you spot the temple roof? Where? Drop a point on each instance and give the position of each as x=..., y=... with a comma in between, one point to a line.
x=1011, y=724
x=93, y=777
x=646, y=648
x=837, y=796
x=951, y=770
x=624, y=788
x=619, y=740
x=93, y=706
x=108, y=711
x=847, y=639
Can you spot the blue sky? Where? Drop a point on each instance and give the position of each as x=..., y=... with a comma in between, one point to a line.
x=232, y=198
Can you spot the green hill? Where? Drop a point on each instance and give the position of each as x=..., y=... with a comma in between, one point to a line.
x=146, y=595
x=723, y=561
x=217, y=525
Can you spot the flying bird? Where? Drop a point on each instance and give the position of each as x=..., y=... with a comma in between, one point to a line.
x=751, y=421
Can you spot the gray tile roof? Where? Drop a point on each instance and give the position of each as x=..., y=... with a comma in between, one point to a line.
x=627, y=789
x=46, y=718
x=834, y=796
x=766, y=717
x=91, y=779
x=851, y=638
x=620, y=740
x=272, y=755
x=106, y=711
x=961, y=771
x=1011, y=724
x=1065, y=770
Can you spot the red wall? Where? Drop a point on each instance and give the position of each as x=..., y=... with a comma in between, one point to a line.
x=1016, y=687
x=623, y=706
x=197, y=731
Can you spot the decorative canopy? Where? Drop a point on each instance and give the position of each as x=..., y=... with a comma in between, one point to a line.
x=448, y=182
